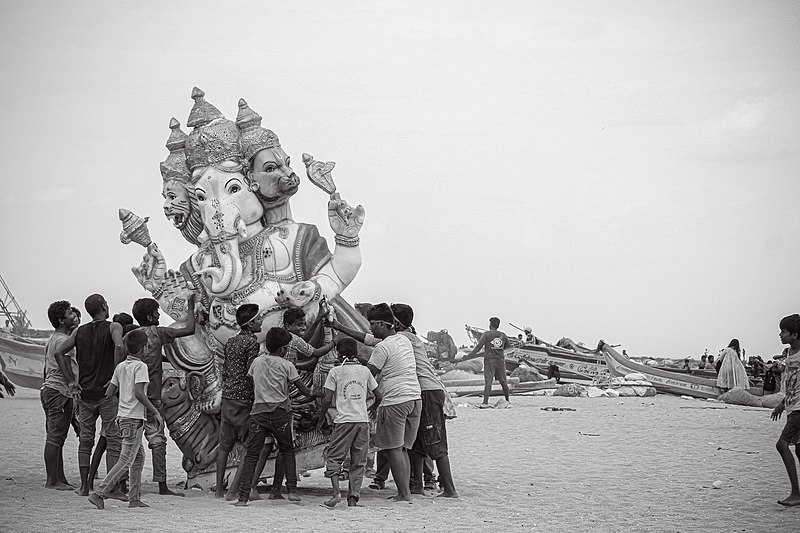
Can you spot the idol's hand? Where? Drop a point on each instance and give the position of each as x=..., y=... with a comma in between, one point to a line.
x=345, y=221
x=150, y=273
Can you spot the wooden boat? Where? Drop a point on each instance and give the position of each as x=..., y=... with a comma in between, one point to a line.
x=22, y=360
x=662, y=380
x=572, y=364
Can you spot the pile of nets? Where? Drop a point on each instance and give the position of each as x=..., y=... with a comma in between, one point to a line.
x=526, y=374
x=742, y=397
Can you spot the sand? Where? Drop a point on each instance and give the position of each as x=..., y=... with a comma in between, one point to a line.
x=650, y=468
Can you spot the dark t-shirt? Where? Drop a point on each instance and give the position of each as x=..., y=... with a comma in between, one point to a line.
x=494, y=342
x=94, y=351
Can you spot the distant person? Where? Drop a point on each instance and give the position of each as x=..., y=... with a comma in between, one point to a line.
x=130, y=379
x=57, y=398
x=711, y=364
x=98, y=348
x=494, y=343
x=529, y=335
x=703, y=361
x=553, y=371
x=731, y=373
x=145, y=310
x=790, y=334
x=686, y=365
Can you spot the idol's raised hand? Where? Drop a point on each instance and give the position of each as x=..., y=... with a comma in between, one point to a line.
x=345, y=221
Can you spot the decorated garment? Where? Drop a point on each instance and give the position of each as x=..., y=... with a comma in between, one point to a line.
x=731, y=373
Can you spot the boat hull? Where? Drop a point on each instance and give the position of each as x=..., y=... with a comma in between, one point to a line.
x=22, y=362
x=662, y=380
x=571, y=364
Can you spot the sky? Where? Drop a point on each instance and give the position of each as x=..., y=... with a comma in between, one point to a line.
x=622, y=170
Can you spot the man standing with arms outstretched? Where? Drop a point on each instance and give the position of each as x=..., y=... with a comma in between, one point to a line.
x=494, y=343
x=98, y=349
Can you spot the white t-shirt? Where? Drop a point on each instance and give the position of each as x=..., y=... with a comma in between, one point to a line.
x=428, y=380
x=126, y=375
x=351, y=382
x=394, y=357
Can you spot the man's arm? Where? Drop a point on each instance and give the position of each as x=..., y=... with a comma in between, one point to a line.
x=119, y=348
x=378, y=398
x=357, y=335
x=303, y=388
x=66, y=368
x=141, y=395
x=322, y=350
x=111, y=390
x=327, y=400
x=66, y=346
x=478, y=347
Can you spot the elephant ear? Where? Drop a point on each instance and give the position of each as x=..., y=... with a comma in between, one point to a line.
x=196, y=382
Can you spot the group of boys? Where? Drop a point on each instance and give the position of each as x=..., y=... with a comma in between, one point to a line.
x=91, y=372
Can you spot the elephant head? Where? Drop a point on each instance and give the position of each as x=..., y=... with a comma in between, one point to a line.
x=230, y=211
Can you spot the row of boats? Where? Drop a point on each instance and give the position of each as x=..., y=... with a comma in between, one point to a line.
x=578, y=362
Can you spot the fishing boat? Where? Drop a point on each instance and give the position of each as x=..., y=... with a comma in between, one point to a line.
x=22, y=360
x=662, y=380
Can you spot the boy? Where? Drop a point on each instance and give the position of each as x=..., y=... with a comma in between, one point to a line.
x=130, y=379
x=237, y=388
x=272, y=411
x=145, y=310
x=57, y=399
x=494, y=362
x=349, y=384
x=790, y=334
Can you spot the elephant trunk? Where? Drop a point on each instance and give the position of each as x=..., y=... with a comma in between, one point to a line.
x=221, y=281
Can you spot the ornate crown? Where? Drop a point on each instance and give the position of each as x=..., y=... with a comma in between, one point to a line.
x=254, y=138
x=174, y=167
x=214, y=138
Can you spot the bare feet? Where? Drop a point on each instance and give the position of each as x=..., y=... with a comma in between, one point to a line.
x=166, y=492
x=117, y=495
x=294, y=497
x=398, y=498
x=240, y=503
x=137, y=503
x=352, y=501
x=485, y=406
x=59, y=486
x=447, y=494
x=415, y=490
x=275, y=496
x=230, y=495
x=254, y=495
x=333, y=501
x=219, y=494
x=83, y=491
x=97, y=501
x=791, y=501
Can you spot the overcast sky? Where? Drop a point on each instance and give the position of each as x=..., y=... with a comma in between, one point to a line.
x=619, y=170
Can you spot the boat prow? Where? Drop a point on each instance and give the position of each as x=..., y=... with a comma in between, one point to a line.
x=662, y=380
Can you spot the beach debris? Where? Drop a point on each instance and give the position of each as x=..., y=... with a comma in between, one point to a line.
x=703, y=407
x=684, y=397
x=553, y=408
x=737, y=451
x=648, y=403
x=502, y=404
x=717, y=484
x=743, y=397
x=526, y=373
x=571, y=390
x=588, y=434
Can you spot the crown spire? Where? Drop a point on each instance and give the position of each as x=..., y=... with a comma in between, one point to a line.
x=254, y=138
x=174, y=167
x=202, y=112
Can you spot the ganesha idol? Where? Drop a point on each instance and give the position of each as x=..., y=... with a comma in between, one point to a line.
x=227, y=188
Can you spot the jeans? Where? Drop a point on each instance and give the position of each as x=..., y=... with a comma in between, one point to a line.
x=131, y=456
x=157, y=441
x=106, y=409
x=58, y=410
x=278, y=424
x=350, y=440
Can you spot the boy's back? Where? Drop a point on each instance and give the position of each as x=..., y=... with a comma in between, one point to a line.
x=127, y=374
x=271, y=378
x=153, y=355
x=351, y=383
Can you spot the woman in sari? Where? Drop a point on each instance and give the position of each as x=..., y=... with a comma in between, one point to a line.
x=731, y=372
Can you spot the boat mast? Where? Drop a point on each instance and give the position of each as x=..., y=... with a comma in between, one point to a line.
x=16, y=318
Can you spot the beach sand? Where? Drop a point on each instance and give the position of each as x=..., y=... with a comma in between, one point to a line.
x=614, y=464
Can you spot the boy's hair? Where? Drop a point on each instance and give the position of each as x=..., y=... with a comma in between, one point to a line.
x=123, y=319
x=494, y=322
x=347, y=347
x=276, y=339
x=77, y=312
x=292, y=315
x=143, y=308
x=57, y=311
x=382, y=312
x=403, y=313
x=245, y=313
x=791, y=324
x=135, y=341
x=94, y=304
x=127, y=328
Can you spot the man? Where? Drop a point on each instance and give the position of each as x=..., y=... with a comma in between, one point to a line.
x=145, y=310
x=98, y=349
x=399, y=412
x=494, y=343
x=57, y=400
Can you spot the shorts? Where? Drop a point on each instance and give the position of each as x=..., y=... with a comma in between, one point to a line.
x=791, y=432
x=494, y=368
x=234, y=423
x=58, y=415
x=397, y=425
x=432, y=435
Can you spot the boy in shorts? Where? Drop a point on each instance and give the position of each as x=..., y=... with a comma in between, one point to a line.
x=790, y=334
x=347, y=386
